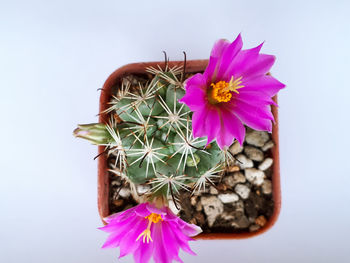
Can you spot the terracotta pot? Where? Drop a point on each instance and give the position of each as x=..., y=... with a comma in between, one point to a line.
x=192, y=66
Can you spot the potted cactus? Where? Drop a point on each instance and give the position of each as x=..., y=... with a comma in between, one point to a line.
x=179, y=144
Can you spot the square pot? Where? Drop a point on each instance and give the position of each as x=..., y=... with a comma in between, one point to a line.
x=192, y=66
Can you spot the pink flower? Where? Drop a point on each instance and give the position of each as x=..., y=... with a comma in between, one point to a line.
x=145, y=230
x=233, y=90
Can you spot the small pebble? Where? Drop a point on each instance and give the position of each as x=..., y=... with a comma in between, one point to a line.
x=193, y=200
x=243, y=162
x=266, y=164
x=257, y=138
x=232, y=169
x=254, y=153
x=267, y=146
x=261, y=221
x=142, y=188
x=213, y=190
x=124, y=193
x=233, y=179
x=228, y=198
x=213, y=207
x=242, y=190
x=236, y=148
x=267, y=187
x=254, y=176
x=221, y=187
x=243, y=222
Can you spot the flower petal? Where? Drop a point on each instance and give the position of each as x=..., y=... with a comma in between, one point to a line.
x=265, y=84
x=229, y=55
x=233, y=126
x=129, y=244
x=188, y=229
x=118, y=233
x=198, y=119
x=195, y=98
x=242, y=62
x=181, y=238
x=259, y=67
x=144, y=252
x=212, y=124
x=253, y=120
x=169, y=239
x=215, y=60
x=260, y=110
x=196, y=80
x=160, y=254
x=255, y=98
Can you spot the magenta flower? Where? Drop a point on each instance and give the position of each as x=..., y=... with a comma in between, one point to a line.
x=145, y=230
x=233, y=90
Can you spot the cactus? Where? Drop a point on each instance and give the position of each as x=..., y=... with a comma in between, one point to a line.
x=154, y=143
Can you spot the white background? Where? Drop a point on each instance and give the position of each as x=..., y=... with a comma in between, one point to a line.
x=54, y=55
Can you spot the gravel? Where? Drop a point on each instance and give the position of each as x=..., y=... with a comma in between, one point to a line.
x=242, y=190
x=213, y=207
x=254, y=176
x=244, y=162
x=228, y=198
x=267, y=146
x=267, y=187
x=254, y=153
x=266, y=164
x=257, y=138
x=235, y=148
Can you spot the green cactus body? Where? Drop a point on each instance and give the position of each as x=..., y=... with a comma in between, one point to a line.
x=155, y=136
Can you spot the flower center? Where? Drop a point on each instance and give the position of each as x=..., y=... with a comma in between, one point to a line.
x=146, y=234
x=222, y=91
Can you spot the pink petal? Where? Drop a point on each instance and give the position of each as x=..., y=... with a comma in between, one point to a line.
x=144, y=252
x=141, y=210
x=117, y=217
x=229, y=55
x=259, y=67
x=242, y=61
x=212, y=124
x=260, y=110
x=160, y=254
x=188, y=229
x=254, y=97
x=196, y=80
x=233, y=126
x=129, y=243
x=252, y=120
x=152, y=209
x=224, y=138
x=170, y=242
x=266, y=84
x=117, y=235
x=198, y=118
x=215, y=60
x=195, y=98
x=181, y=238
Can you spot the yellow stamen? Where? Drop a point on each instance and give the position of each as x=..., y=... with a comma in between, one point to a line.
x=222, y=91
x=146, y=234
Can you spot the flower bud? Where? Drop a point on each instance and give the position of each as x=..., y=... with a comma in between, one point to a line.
x=96, y=133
